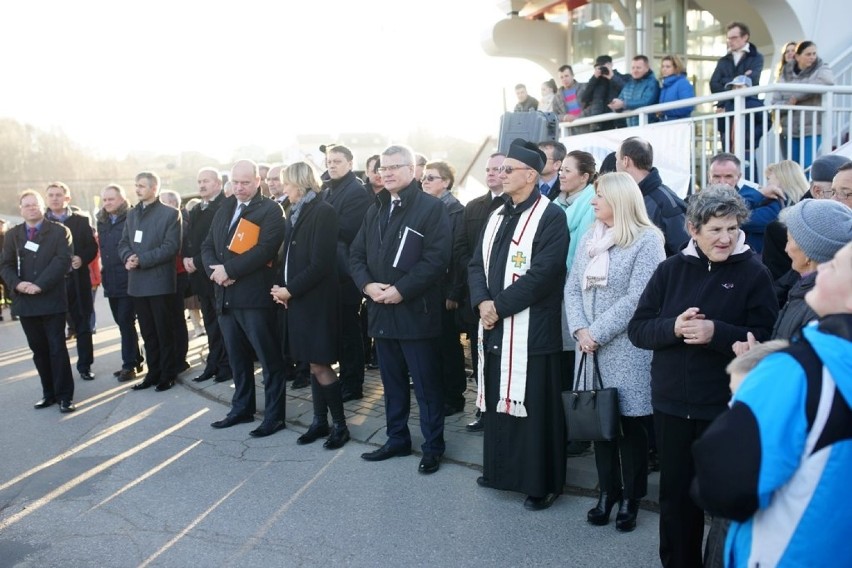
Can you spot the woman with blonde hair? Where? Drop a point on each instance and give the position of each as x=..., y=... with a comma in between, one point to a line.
x=615, y=260
x=788, y=178
x=308, y=291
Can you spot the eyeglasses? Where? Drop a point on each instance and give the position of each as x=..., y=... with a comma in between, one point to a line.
x=430, y=178
x=391, y=168
x=509, y=169
x=843, y=195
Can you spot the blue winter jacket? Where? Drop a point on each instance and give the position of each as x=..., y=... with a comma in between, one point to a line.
x=778, y=461
x=676, y=88
x=638, y=94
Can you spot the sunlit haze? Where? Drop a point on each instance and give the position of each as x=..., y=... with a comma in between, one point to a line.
x=216, y=76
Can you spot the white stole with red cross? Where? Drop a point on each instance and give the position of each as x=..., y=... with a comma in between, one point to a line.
x=513, y=353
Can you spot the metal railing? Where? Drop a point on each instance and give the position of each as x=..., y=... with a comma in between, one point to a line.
x=759, y=136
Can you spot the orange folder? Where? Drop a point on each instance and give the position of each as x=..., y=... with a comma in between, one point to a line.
x=245, y=236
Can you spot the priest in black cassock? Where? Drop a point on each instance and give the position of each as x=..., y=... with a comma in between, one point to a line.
x=516, y=277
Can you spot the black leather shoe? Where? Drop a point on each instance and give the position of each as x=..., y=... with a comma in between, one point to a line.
x=44, y=403
x=539, y=503
x=482, y=481
x=142, y=386
x=164, y=386
x=117, y=373
x=267, y=428
x=206, y=375
x=599, y=515
x=67, y=406
x=125, y=375
x=87, y=375
x=316, y=431
x=338, y=437
x=229, y=421
x=429, y=464
x=625, y=520
x=351, y=395
x=386, y=452
x=475, y=426
x=223, y=378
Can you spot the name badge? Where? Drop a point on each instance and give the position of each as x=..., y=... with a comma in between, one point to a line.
x=31, y=246
x=137, y=237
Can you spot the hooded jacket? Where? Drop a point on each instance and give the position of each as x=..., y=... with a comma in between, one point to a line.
x=778, y=460
x=689, y=381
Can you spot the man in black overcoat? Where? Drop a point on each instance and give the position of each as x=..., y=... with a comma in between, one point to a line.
x=200, y=221
x=79, y=284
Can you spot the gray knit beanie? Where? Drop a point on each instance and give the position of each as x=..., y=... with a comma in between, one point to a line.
x=825, y=168
x=820, y=227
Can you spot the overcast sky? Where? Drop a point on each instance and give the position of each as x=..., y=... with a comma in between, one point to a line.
x=213, y=76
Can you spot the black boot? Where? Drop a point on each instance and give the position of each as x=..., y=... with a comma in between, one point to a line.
x=339, y=432
x=600, y=514
x=319, y=427
x=625, y=520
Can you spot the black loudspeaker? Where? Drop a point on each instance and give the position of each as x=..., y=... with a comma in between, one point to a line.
x=535, y=126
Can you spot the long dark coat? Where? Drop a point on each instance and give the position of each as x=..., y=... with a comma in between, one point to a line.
x=310, y=274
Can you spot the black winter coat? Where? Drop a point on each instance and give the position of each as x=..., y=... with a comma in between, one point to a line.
x=418, y=316
x=113, y=273
x=252, y=271
x=45, y=267
x=751, y=65
x=689, y=381
x=200, y=222
x=84, y=245
x=311, y=264
x=796, y=312
x=475, y=217
x=666, y=210
x=539, y=289
x=351, y=201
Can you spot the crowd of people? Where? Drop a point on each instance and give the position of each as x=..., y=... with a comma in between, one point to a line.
x=318, y=276
x=608, y=90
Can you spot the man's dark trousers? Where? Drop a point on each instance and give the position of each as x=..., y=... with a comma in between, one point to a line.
x=46, y=339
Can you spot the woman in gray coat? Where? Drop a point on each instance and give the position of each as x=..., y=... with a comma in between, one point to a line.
x=614, y=262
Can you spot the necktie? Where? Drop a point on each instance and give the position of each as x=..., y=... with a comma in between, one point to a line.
x=544, y=188
x=31, y=233
x=240, y=208
x=393, y=205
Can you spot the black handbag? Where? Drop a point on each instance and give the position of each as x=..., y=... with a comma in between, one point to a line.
x=591, y=415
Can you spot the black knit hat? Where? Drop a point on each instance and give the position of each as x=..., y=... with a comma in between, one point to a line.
x=528, y=153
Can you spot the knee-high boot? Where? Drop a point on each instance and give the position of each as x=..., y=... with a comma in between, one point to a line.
x=319, y=426
x=339, y=432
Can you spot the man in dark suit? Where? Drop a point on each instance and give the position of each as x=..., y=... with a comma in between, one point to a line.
x=350, y=200
x=79, y=285
x=148, y=246
x=548, y=181
x=36, y=257
x=476, y=214
x=241, y=267
x=200, y=221
x=404, y=300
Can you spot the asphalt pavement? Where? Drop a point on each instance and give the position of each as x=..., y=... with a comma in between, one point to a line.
x=141, y=479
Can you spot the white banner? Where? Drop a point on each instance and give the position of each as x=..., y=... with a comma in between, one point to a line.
x=671, y=142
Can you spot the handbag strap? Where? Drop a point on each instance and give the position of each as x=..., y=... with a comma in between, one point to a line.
x=582, y=369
